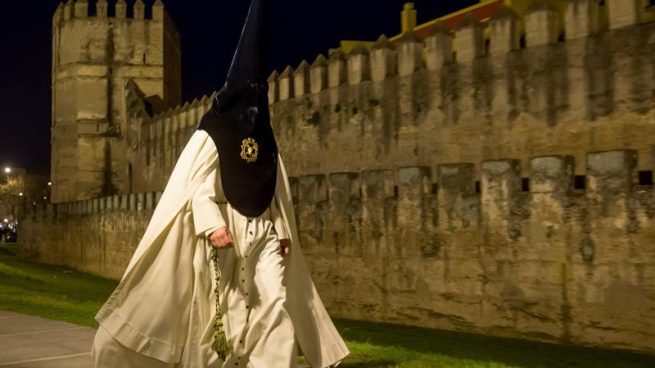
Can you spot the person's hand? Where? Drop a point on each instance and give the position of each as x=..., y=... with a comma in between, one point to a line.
x=221, y=238
x=285, y=246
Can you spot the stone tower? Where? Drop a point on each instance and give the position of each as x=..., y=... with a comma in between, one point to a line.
x=97, y=51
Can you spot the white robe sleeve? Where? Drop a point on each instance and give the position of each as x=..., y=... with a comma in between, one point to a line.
x=276, y=217
x=207, y=216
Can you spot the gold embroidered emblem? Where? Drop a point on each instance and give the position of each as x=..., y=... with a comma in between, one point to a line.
x=249, y=149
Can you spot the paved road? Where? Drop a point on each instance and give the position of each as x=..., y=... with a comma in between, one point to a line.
x=34, y=342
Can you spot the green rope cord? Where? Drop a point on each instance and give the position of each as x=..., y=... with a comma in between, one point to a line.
x=221, y=345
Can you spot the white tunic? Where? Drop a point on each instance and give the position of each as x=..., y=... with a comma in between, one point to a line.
x=162, y=312
x=266, y=334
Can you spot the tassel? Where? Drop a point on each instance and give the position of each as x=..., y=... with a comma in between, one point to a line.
x=221, y=345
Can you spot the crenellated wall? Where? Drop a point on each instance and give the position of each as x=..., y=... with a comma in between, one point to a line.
x=97, y=235
x=492, y=178
x=530, y=257
x=508, y=86
x=155, y=143
x=486, y=90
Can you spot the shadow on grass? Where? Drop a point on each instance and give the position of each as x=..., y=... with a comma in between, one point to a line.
x=513, y=352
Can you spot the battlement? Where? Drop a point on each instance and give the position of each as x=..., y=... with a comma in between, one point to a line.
x=192, y=111
x=126, y=202
x=157, y=143
x=547, y=81
x=439, y=46
x=80, y=9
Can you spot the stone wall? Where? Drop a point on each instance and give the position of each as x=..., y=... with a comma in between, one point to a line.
x=412, y=102
x=154, y=147
x=507, y=87
x=543, y=257
x=98, y=50
x=494, y=178
x=97, y=236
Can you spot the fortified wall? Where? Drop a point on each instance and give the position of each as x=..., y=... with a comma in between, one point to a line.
x=548, y=82
x=541, y=261
x=462, y=97
x=494, y=176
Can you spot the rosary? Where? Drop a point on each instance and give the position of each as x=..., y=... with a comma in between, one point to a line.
x=221, y=345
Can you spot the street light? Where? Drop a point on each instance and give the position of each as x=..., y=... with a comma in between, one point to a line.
x=7, y=170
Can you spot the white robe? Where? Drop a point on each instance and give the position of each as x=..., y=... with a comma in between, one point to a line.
x=161, y=313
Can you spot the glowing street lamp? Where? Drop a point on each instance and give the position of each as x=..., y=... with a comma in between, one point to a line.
x=7, y=170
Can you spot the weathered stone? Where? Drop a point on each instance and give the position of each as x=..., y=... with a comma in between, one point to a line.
x=96, y=56
x=285, y=84
x=504, y=31
x=459, y=205
x=528, y=257
x=469, y=39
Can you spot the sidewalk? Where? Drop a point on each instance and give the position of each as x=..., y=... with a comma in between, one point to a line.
x=34, y=342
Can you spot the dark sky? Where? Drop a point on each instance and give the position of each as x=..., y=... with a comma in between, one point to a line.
x=210, y=30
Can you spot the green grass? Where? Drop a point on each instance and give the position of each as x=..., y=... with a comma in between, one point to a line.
x=386, y=345
x=62, y=294
x=50, y=291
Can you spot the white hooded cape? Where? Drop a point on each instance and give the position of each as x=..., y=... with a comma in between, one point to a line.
x=159, y=308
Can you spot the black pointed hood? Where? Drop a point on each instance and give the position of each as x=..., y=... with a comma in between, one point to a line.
x=249, y=61
x=239, y=121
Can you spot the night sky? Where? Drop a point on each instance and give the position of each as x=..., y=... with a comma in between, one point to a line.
x=210, y=30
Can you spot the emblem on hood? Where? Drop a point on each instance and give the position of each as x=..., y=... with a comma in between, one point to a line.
x=249, y=149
